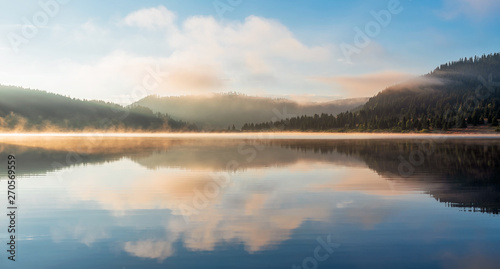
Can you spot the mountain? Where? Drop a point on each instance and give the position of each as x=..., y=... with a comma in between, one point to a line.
x=454, y=95
x=223, y=110
x=33, y=110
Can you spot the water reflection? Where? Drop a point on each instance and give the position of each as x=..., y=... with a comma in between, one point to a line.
x=471, y=165
x=158, y=199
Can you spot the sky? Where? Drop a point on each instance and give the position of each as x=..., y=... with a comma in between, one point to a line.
x=305, y=50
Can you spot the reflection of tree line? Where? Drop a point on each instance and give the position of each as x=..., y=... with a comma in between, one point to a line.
x=36, y=161
x=484, y=199
x=454, y=159
x=467, y=170
x=155, y=153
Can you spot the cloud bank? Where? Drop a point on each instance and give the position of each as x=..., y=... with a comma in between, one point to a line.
x=153, y=51
x=366, y=84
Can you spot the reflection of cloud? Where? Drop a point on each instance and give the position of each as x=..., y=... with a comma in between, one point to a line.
x=472, y=259
x=257, y=213
x=370, y=215
x=254, y=202
x=257, y=230
x=79, y=232
x=151, y=191
x=150, y=249
x=364, y=181
x=261, y=216
x=344, y=204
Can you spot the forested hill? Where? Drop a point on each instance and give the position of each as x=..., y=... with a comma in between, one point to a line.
x=26, y=110
x=221, y=110
x=455, y=95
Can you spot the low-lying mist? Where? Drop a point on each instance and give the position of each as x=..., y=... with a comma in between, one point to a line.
x=223, y=110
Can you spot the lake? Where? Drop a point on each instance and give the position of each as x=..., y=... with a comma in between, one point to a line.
x=254, y=201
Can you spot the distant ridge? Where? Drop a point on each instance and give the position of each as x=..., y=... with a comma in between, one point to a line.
x=223, y=110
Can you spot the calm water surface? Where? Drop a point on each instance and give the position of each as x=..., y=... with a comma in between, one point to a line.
x=122, y=202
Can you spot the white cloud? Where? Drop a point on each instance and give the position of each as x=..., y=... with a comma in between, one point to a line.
x=151, y=18
x=203, y=55
x=197, y=55
x=89, y=29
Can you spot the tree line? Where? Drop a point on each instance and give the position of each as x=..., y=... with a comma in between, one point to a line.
x=455, y=95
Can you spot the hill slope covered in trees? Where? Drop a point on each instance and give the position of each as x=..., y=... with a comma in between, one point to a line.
x=32, y=111
x=454, y=95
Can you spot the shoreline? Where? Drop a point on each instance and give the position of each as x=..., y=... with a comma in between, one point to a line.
x=261, y=135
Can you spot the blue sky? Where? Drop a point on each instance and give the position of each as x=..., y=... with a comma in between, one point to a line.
x=123, y=50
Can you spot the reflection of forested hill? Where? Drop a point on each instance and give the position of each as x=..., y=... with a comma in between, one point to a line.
x=215, y=155
x=39, y=154
x=35, y=161
x=465, y=160
x=462, y=173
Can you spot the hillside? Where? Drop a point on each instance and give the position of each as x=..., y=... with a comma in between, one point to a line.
x=455, y=95
x=223, y=110
x=26, y=110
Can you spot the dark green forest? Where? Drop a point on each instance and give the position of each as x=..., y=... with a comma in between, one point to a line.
x=33, y=110
x=457, y=94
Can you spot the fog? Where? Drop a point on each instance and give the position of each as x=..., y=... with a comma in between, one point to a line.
x=223, y=110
